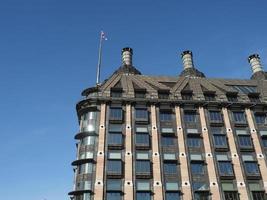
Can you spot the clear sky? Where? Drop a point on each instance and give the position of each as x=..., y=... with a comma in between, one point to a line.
x=48, y=55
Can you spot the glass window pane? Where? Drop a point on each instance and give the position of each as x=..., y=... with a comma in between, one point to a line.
x=114, y=167
x=170, y=186
x=190, y=117
x=142, y=166
x=220, y=141
x=197, y=168
x=172, y=196
x=141, y=114
x=252, y=168
x=113, y=196
x=143, y=196
x=168, y=141
x=115, y=139
x=260, y=118
x=225, y=168
x=239, y=117
x=142, y=139
x=115, y=114
x=170, y=168
x=165, y=116
x=215, y=116
x=143, y=185
x=244, y=141
x=193, y=142
x=114, y=184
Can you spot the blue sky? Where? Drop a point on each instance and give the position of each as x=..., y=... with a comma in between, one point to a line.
x=48, y=55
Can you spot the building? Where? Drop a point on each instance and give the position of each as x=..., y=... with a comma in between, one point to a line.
x=169, y=138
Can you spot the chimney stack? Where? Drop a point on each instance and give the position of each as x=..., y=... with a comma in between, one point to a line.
x=187, y=58
x=254, y=61
x=127, y=53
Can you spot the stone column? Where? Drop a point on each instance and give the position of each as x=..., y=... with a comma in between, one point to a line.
x=100, y=160
x=209, y=157
x=243, y=194
x=186, y=189
x=128, y=186
x=158, y=195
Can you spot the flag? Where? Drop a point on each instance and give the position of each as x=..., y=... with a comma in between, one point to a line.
x=103, y=36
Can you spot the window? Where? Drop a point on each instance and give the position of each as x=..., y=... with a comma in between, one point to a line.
x=225, y=168
x=201, y=195
x=163, y=95
x=168, y=141
x=187, y=96
x=114, y=139
x=215, y=116
x=260, y=118
x=232, y=97
x=197, y=168
x=89, y=140
x=252, y=168
x=239, y=117
x=220, y=141
x=115, y=114
x=140, y=94
x=165, y=116
x=217, y=130
x=193, y=142
x=114, y=167
x=142, y=139
x=254, y=98
x=142, y=167
x=116, y=93
x=231, y=195
x=172, y=195
x=245, y=141
x=114, y=185
x=190, y=117
x=113, y=195
x=170, y=168
x=259, y=195
x=244, y=89
x=86, y=168
x=200, y=186
x=88, y=122
x=141, y=114
x=143, y=196
x=84, y=196
x=264, y=142
x=209, y=97
x=143, y=185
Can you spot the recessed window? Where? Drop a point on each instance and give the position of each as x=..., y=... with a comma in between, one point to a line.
x=114, y=196
x=114, y=167
x=215, y=116
x=217, y=130
x=163, y=95
x=225, y=168
x=209, y=97
x=251, y=168
x=260, y=118
x=245, y=141
x=142, y=139
x=114, y=139
x=165, y=116
x=143, y=196
x=170, y=168
x=116, y=93
x=220, y=141
x=187, y=96
x=254, y=98
x=115, y=114
x=140, y=94
x=142, y=167
x=190, y=117
x=141, y=114
x=193, y=142
x=232, y=97
x=264, y=142
x=168, y=141
x=197, y=168
x=172, y=195
x=114, y=185
x=259, y=195
x=239, y=117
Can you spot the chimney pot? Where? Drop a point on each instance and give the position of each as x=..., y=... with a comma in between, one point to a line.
x=254, y=61
x=127, y=53
x=187, y=58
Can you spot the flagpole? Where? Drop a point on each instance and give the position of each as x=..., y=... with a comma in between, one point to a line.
x=99, y=60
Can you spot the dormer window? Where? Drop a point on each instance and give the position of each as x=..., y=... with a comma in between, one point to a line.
x=163, y=94
x=140, y=94
x=254, y=98
x=232, y=97
x=209, y=96
x=187, y=95
x=117, y=93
